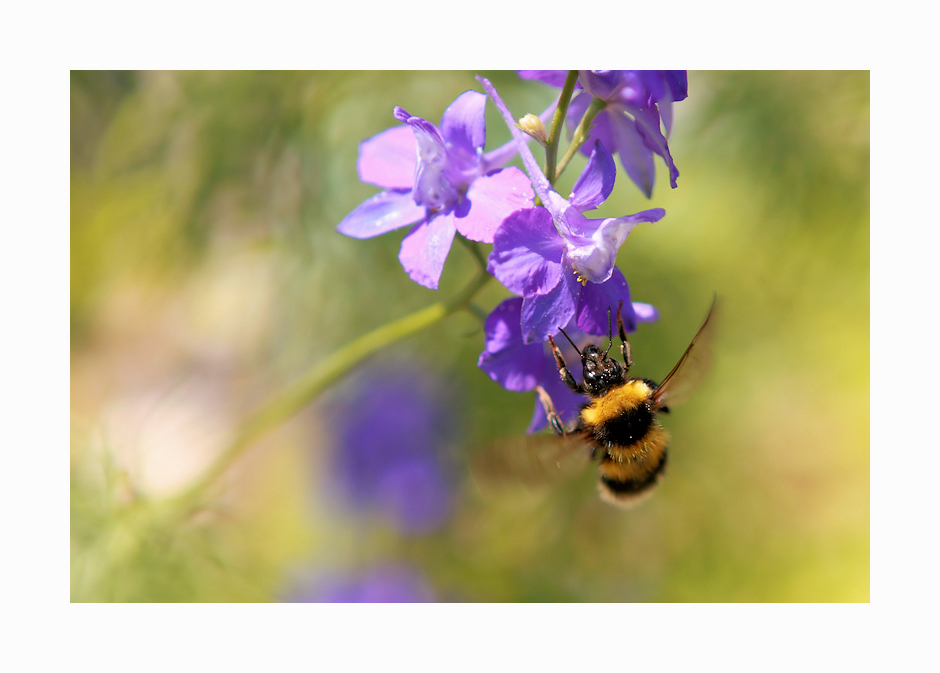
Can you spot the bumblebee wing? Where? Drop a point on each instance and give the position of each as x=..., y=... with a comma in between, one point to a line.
x=529, y=460
x=691, y=367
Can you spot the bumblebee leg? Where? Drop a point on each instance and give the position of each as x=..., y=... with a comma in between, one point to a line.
x=610, y=331
x=563, y=369
x=624, y=344
x=553, y=418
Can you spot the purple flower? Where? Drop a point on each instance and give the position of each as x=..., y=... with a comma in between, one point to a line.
x=392, y=434
x=438, y=180
x=549, y=254
x=381, y=584
x=520, y=366
x=637, y=100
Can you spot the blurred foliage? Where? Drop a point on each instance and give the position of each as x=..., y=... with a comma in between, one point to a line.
x=206, y=274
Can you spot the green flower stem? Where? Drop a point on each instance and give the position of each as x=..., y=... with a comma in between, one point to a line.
x=144, y=522
x=317, y=379
x=558, y=122
x=581, y=133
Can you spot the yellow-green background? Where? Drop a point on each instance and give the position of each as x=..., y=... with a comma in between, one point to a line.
x=206, y=274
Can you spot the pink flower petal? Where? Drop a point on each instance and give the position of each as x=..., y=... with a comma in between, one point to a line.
x=384, y=212
x=389, y=158
x=492, y=199
x=425, y=249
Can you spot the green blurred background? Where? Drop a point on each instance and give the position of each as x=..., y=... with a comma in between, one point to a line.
x=206, y=274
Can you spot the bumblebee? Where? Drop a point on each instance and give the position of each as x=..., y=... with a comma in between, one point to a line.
x=617, y=427
x=619, y=424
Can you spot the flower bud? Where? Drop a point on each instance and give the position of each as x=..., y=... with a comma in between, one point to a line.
x=533, y=126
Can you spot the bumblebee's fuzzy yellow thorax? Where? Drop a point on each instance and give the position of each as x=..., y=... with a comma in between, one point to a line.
x=619, y=400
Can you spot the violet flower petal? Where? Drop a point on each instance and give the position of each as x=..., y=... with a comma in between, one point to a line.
x=501, y=328
x=648, y=124
x=665, y=111
x=635, y=89
x=492, y=199
x=597, y=298
x=595, y=258
x=678, y=83
x=603, y=84
x=425, y=249
x=388, y=159
x=527, y=253
x=418, y=123
x=384, y=212
x=635, y=156
x=645, y=312
x=596, y=181
x=677, y=88
x=432, y=187
x=552, y=77
x=661, y=85
x=543, y=314
x=463, y=124
x=505, y=358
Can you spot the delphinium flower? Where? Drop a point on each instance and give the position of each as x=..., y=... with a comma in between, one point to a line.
x=387, y=583
x=629, y=125
x=439, y=180
x=520, y=366
x=392, y=436
x=557, y=259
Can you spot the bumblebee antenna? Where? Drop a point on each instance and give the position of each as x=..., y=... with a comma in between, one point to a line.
x=570, y=341
x=610, y=331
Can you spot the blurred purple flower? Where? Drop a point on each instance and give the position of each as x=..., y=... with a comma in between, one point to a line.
x=520, y=366
x=549, y=254
x=392, y=436
x=637, y=100
x=440, y=181
x=381, y=584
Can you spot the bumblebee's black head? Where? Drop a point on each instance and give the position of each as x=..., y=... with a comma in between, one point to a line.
x=601, y=373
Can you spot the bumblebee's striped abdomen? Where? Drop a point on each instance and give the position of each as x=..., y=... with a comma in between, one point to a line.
x=632, y=443
x=629, y=473
x=626, y=483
